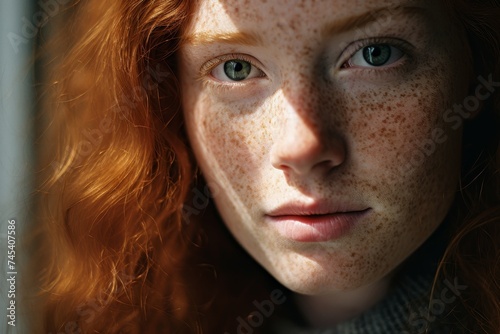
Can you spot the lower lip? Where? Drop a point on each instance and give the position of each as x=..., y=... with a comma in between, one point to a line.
x=318, y=228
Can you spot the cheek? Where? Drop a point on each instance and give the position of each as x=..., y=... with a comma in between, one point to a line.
x=403, y=151
x=229, y=145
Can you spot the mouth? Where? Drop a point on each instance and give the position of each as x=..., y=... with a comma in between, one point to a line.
x=318, y=222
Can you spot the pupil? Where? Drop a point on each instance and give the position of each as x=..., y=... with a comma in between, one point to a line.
x=376, y=52
x=237, y=70
x=238, y=67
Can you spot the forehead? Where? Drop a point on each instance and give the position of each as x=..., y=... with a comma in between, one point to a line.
x=230, y=15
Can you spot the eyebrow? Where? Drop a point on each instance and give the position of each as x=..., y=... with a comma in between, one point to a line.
x=242, y=38
x=372, y=16
x=337, y=27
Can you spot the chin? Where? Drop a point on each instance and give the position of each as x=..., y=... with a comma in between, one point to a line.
x=315, y=286
x=312, y=279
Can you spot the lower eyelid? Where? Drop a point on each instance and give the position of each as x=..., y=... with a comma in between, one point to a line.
x=401, y=67
x=237, y=89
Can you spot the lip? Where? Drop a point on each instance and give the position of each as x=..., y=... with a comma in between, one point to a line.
x=316, y=222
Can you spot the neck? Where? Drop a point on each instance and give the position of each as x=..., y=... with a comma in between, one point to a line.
x=334, y=308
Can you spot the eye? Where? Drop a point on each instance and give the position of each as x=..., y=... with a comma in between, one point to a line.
x=236, y=70
x=375, y=55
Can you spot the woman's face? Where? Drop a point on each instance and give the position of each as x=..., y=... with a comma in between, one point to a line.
x=325, y=129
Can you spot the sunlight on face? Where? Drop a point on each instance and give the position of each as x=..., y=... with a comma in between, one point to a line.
x=309, y=116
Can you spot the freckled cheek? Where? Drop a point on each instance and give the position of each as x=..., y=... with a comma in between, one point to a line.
x=404, y=149
x=399, y=129
x=227, y=142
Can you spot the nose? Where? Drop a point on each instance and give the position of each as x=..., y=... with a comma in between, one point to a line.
x=305, y=145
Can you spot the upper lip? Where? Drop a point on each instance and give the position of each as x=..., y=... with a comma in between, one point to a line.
x=315, y=208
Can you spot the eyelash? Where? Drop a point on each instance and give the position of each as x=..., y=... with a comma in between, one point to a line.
x=351, y=50
x=223, y=87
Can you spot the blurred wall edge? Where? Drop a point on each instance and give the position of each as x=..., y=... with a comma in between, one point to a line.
x=18, y=31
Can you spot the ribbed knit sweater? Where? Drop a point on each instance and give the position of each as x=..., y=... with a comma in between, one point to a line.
x=405, y=310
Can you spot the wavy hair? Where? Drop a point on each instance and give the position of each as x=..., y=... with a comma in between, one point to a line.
x=114, y=254
x=117, y=172
x=473, y=253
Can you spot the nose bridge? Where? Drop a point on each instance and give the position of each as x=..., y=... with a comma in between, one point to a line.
x=300, y=95
x=301, y=91
x=298, y=131
x=298, y=125
x=301, y=102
